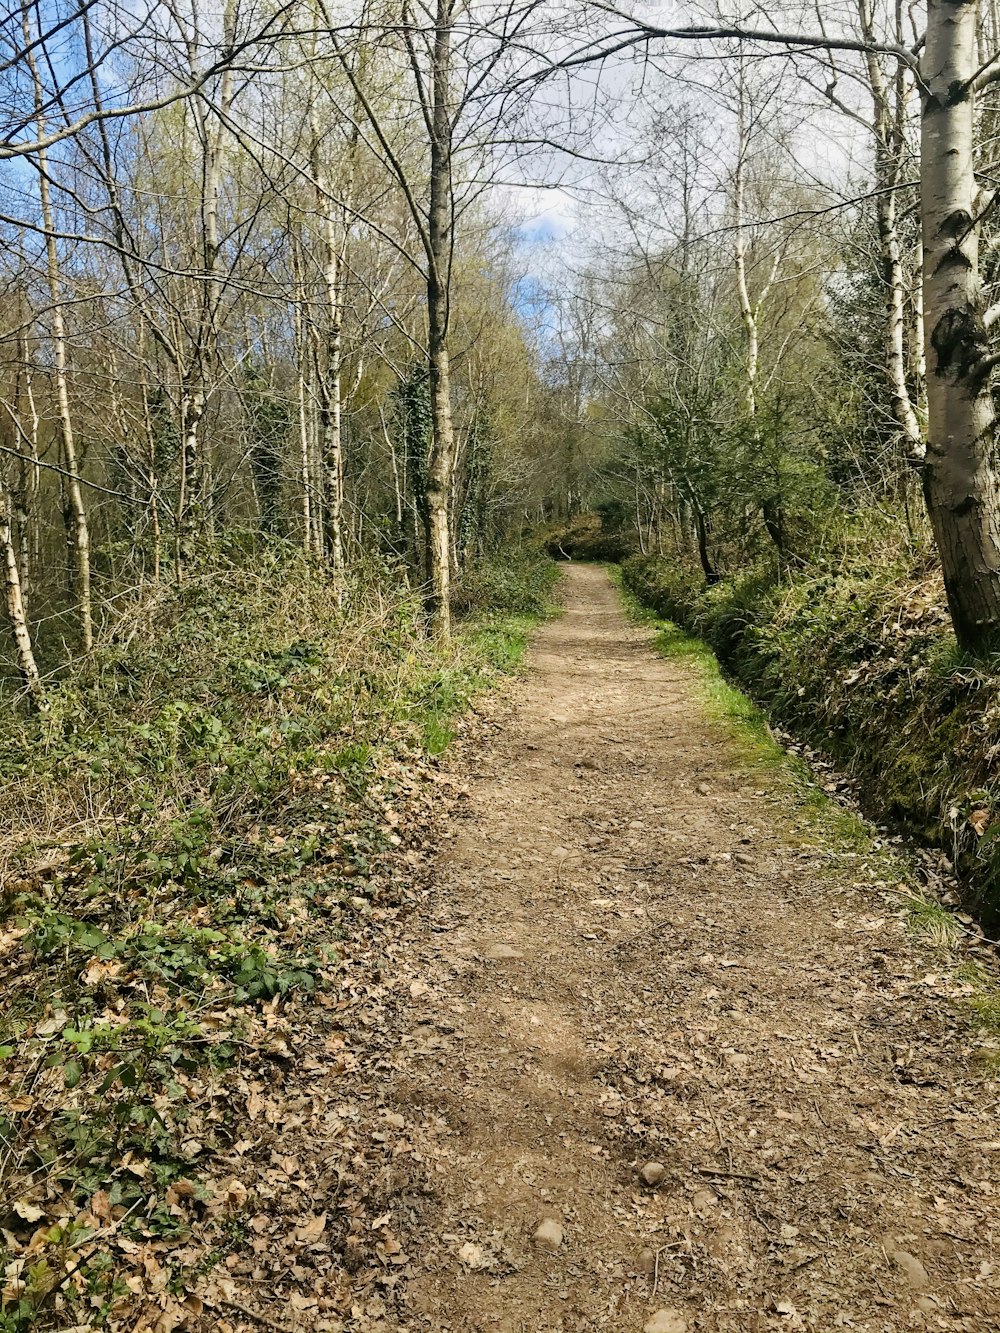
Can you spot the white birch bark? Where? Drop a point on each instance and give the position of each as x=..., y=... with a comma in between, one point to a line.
x=14, y=603
x=961, y=481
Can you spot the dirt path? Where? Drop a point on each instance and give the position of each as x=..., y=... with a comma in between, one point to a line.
x=637, y=955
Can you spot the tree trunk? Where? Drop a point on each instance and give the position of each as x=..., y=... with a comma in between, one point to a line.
x=78, y=531
x=302, y=399
x=329, y=365
x=889, y=107
x=961, y=482
x=191, y=494
x=701, y=535
x=195, y=510
x=440, y=461
x=750, y=316
x=27, y=668
x=437, y=492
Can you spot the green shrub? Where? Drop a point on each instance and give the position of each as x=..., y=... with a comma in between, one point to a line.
x=587, y=537
x=858, y=658
x=516, y=583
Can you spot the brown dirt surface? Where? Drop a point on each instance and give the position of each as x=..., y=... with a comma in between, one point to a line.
x=639, y=949
x=646, y=941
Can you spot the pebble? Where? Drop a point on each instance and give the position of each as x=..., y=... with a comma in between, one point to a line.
x=666, y=1321
x=498, y=951
x=653, y=1172
x=911, y=1268
x=472, y=1256
x=549, y=1234
x=646, y=1261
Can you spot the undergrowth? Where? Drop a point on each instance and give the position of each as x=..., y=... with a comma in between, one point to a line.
x=864, y=667
x=188, y=831
x=857, y=658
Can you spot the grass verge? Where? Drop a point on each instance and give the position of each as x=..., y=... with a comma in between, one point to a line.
x=838, y=831
x=242, y=778
x=858, y=660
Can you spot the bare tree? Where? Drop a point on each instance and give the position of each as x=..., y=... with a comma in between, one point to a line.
x=961, y=481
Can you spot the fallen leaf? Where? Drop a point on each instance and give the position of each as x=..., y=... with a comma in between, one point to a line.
x=310, y=1231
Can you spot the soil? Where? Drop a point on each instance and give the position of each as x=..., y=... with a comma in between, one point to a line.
x=640, y=951
x=651, y=1044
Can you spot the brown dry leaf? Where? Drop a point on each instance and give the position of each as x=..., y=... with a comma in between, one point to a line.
x=180, y=1189
x=98, y=971
x=229, y=1194
x=979, y=820
x=309, y=1232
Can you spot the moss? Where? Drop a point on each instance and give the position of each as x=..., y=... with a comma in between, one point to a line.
x=859, y=660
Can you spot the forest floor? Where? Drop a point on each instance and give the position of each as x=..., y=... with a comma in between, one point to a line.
x=648, y=943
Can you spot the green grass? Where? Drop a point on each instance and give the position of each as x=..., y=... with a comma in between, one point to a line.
x=843, y=834
x=207, y=811
x=928, y=920
x=723, y=702
x=503, y=640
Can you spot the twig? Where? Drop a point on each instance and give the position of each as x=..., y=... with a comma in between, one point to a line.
x=264, y=1320
x=568, y=857
x=724, y=1175
x=673, y=1245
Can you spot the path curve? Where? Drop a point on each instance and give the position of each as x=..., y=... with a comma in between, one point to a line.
x=640, y=952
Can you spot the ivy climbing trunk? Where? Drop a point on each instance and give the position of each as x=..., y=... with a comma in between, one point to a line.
x=961, y=481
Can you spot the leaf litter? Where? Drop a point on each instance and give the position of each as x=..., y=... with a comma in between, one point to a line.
x=515, y=1028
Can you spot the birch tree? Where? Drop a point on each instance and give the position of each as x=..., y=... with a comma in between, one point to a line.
x=960, y=475
x=14, y=602
x=79, y=527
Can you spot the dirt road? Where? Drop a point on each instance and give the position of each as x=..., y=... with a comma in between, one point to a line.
x=643, y=951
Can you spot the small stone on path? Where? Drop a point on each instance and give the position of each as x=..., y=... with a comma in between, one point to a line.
x=472, y=1256
x=549, y=1234
x=653, y=1172
x=911, y=1268
x=499, y=951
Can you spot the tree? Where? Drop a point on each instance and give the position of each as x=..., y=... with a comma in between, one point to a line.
x=961, y=480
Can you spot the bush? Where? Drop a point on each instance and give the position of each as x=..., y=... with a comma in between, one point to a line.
x=516, y=583
x=586, y=538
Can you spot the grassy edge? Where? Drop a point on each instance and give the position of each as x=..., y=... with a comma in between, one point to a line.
x=487, y=647
x=926, y=920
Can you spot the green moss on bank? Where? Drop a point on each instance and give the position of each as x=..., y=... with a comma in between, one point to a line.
x=859, y=661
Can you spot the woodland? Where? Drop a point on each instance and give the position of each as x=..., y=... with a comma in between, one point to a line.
x=329, y=330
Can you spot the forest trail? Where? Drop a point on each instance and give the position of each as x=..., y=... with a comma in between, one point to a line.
x=636, y=954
